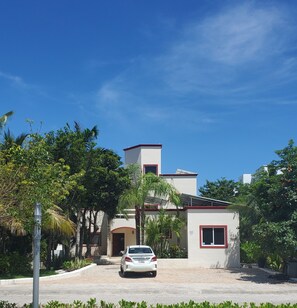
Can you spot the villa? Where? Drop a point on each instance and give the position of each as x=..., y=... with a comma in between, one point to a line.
x=211, y=233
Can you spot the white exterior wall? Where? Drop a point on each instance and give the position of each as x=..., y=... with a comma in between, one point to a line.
x=213, y=257
x=144, y=155
x=184, y=184
x=132, y=156
x=151, y=156
x=122, y=223
x=246, y=178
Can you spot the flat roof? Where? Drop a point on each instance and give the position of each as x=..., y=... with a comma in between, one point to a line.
x=191, y=200
x=145, y=145
x=179, y=174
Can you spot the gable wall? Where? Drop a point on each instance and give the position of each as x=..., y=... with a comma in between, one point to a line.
x=184, y=184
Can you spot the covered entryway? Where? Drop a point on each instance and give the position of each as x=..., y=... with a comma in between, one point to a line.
x=121, y=237
x=118, y=243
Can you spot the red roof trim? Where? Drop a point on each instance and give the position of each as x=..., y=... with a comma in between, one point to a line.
x=143, y=145
x=210, y=207
x=166, y=210
x=179, y=174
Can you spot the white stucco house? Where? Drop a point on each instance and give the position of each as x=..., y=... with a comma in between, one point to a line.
x=211, y=232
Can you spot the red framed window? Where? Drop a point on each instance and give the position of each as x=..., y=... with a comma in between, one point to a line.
x=150, y=169
x=213, y=237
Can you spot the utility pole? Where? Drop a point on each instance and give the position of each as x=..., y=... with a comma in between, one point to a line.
x=36, y=259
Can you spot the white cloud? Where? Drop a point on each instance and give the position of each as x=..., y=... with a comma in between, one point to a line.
x=241, y=34
x=15, y=80
x=226, y=59
x=213, y=52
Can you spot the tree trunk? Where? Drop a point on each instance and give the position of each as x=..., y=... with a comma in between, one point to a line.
x=48, y=252
x=78, y=227
x=142, y=224
x=88, y=252
x=82, y=233
x=137, y=224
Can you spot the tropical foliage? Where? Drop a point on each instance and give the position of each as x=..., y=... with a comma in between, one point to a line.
x=92, y=303
x=159, y=231
x=68, y=174
x=268, y=210
x=144, y=187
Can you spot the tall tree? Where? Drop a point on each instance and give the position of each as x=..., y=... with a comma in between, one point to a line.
x=142, y=187
x=275, y=200
x=105, y=180
x=159, y=229
x=74, y=146
x=221, y=189
x=28, y=175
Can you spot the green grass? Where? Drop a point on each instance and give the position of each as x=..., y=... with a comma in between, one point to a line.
x=29, y=275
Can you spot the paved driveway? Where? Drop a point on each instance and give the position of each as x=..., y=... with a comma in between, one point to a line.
x=172, y=285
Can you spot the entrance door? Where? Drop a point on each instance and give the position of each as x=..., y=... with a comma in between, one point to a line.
x=118, y=243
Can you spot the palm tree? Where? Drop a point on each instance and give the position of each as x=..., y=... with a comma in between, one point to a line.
x=3, y=119
x=158, y=230
x=9, y=140
x=144, y=188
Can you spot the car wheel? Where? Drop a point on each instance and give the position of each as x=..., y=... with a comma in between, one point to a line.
x=154, y=273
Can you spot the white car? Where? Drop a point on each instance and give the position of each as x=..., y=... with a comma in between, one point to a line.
x=140, y=259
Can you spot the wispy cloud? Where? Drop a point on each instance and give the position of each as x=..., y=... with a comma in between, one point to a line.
x=225, y=59
x=218, y=50
x=15, y=80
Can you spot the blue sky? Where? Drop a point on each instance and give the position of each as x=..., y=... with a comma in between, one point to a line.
x=214, y=82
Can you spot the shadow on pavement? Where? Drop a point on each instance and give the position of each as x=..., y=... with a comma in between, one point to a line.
x=258, y=275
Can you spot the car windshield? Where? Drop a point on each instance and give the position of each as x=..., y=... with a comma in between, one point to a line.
x=140, y=250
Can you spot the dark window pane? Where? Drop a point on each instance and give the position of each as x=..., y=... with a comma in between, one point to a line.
x=219, y=238
x=207, y=236
x=137, y=250
x=151, y=169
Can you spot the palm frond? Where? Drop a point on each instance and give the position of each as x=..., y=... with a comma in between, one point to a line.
x=57, y=222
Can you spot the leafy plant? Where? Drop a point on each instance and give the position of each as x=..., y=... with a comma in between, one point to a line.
x=75, y=264
x=5, y=304
x=127, y=304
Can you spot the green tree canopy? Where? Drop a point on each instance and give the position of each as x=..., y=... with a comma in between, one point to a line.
x=274, y=198
x=221, y=189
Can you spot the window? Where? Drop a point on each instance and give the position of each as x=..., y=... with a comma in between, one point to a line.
x=213, y=237
x=150, y=168
x=140, y=250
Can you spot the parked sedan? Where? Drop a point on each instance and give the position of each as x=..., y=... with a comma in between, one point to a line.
x=140, y=259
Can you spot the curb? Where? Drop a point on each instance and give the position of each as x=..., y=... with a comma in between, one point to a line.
x=52, y=277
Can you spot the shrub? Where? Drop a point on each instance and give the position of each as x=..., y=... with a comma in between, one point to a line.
x=19, y=264
x=75, y=264
x=126, y=304
x=4, y=265
x=14, y=263
x=250, y=252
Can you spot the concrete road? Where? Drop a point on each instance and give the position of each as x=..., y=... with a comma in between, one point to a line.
x=172, y=285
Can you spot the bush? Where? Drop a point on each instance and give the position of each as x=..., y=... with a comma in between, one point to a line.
x=75, y=264
x=14, y=263
x=5, y=304
x=250, y=252
x=19, y=264
x=275, y=262
x=4, y=265
x=126, y=304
